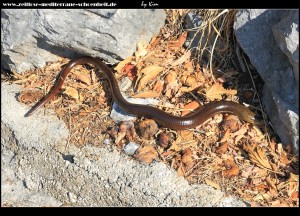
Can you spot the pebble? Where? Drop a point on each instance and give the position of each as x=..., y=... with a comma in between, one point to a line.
x=130, y=148
x=106, y=141
x=118, y=115
x=72, y=197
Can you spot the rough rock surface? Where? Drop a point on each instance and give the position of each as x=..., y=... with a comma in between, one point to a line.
x=40, y=168
x=31, y=37
x=271, y=40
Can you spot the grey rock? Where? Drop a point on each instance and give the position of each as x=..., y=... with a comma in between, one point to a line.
x=227, y=202
x=193, y=21
x=271, y=40
x=95, y=177
x=32, y=37
x=15, y=193
x=286, y=34
x=125, y=84
x=35, y=130
x=118, y=115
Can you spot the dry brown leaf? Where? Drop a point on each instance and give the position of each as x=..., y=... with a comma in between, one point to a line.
x=154, y=42
x=182, y=38
x=187, y=159
x=186, y=134
x=85, y=78
x=141, y=50
x=182, y=59
x=190, y=107
x=146, y=94
x=34, y=85
x=293, y=178
x=277, y=203
x=213, y=184
x=130, y=70
x=171, y=90
x=271, y=183
x=188, y=66
x=171, y=77
x=189, y=80
x=260, y=187
x=121, y=64
x=175, y=45
x=223, y=148
x=260, y=135
x=147, y=154
x=226, y=136
x=72, y=92
x=257, y=155
x=18, y=76
x=120, y=136
x=199, y=76
x=295, y=195
x=254, y=204
x=284, y=159
x=246, y=172
x=32, y=77
x=184, y=140
x=272, y=145
x=217, y=90
x=231, y=123
x=180, y=171
x=79, y=85
x=259, y=172
x=164, y=140
x=151, y=73
x=241, y=131
x=238, y=138
x=261, y=197
x=233, y=169
x=128, y=128
x=274, y=167
x=158, y=86
x=148, y=128
x=240, y=134
x=30, y=96
x=54, y=66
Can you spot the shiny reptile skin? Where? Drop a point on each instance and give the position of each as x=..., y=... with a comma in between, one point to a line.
x=161, y=117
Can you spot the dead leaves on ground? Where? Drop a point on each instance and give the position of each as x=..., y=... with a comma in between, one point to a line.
x=217, y=90
x=147, y=154
x=80, y=103
x=146, y=75
x=72, y=92
x=30, y=96
x=240, y=160
x=258, y=156
x=231, y=169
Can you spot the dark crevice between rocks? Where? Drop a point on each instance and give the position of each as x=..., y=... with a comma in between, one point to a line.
x=108, y=15
x=69, y=158
x=113, y=55
x=24, y=183
x=56, y=50
x=5, y=62
x=4, y=15
x=103, y=33
x=42, y=43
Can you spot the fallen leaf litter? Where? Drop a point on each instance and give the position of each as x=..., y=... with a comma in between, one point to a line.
x=223, y=152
